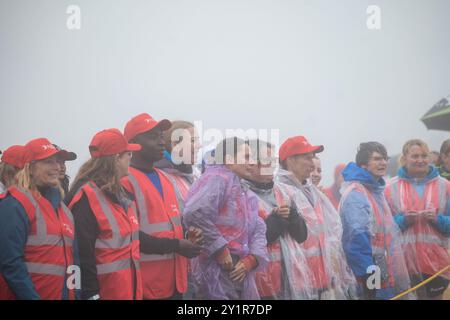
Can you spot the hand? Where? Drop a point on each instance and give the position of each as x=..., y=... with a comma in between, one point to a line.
x=411, y=217
x=195, y=235
x=239, y=272
x=188, y=249
x=430, y=216
x=283, y=211
x=225, y=261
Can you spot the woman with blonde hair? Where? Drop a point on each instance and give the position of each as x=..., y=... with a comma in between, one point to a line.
x=106, y=221
x=36, y=230
x=420, y=202
x=11, y=164
x=180, y=156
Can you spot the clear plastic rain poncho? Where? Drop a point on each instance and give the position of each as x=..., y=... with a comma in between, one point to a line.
x=330, y=275
x=425, y=243
x=227, y=214
x=372, y=241
x=287, y=276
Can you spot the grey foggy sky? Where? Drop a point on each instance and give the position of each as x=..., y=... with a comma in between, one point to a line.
x=304, y=67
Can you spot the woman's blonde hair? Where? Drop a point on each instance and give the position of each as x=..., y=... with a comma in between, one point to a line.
x=177, y=124
x=103, y=172
x=8, y=174
x=411, y=143
x=25, y=180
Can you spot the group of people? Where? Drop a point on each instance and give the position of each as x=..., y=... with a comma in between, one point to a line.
x=141, y=221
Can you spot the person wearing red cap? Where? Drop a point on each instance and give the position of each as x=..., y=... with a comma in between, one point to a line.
x=64, y=179
x=164, y=271
x=12, y=162
x=323, y=250
x=333, y=192
x=106, y=221
x=36, y=231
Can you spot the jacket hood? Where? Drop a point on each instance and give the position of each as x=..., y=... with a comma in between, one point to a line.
x=433, y=172
x=353, y=172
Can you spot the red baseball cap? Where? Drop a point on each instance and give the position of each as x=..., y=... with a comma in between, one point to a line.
x=297, y=145
x=143, y=123
x=39, y=149
x=66, y=155
x=109, y=142
x=14, y=156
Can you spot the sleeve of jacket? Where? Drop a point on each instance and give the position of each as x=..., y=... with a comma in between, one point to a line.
x=296, y=225
x=275, y=226
x=86, y=234
x=153, y=245
x=356, y=239
x=202, y=209
x=14, y=228
x=399, y=219
x=258, y=242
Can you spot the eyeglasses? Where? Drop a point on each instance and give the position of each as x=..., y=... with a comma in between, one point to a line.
x=379, y=159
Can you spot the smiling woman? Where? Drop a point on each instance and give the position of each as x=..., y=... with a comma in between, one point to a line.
x=36, y=230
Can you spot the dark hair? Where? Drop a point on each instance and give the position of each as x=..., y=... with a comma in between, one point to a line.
x=256, y=145
x=228, y=146
x=365, y=151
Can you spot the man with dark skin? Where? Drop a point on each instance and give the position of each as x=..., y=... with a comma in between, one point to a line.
x=152, y=143
x=164, y=271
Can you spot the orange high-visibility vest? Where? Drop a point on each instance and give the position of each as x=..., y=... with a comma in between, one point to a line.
x=381, y=235
x=181, y=187
x=268, y=281
x=158, y=217
x=48, y=250
x=314, y=245
x=425, y=248
x=117, y=245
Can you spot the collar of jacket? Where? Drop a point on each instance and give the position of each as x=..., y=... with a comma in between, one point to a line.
x=53, y=195
x=167, y=163
x=287, y=177
x=258, y=187
x=353, y=172
x=433, y=172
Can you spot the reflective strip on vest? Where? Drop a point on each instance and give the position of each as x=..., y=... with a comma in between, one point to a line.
x=41, y=237
x=424, y=238
x=178, y=192
x=146, y=227
x=312, y=252
x=117, y=241
x=398, y=194
x=116, y=266
x=43, y=268
x=442, y=194
x=157, y=257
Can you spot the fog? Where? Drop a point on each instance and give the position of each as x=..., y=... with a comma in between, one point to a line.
x=308, y=68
